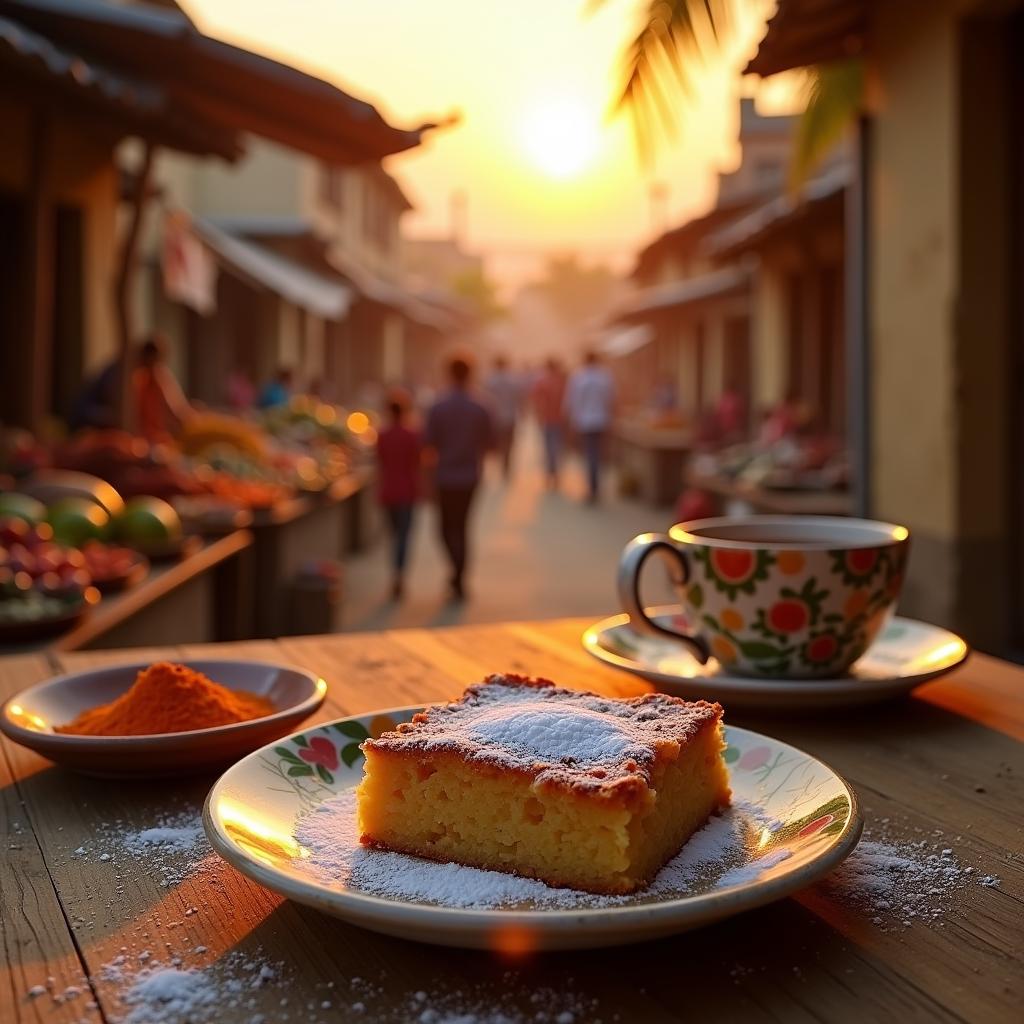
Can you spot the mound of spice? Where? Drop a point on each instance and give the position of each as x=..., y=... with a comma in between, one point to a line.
x=169, y=698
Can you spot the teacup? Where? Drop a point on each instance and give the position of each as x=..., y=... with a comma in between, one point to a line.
x=792, y=596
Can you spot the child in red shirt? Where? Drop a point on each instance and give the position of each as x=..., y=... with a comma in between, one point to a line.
x=399, y=453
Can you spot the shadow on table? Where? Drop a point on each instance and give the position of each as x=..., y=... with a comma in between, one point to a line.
x=80, y=824
x=747, y=968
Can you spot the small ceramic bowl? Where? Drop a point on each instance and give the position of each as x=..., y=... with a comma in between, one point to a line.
x=29, y=718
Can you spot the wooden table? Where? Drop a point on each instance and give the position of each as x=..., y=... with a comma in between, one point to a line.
x=948, y=759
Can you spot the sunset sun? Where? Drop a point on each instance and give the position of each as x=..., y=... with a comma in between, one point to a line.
x=561, y=137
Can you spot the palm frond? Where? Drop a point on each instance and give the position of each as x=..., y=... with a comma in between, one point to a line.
x=835, y=95
x=673, y=35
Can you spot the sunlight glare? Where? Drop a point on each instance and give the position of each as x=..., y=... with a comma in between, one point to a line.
x=560, y=137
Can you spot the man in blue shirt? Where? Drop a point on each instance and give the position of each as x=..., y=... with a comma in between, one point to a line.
x=459, y=433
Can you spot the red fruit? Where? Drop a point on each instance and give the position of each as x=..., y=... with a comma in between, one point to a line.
x=20, y=559
x=13, y=531
x=49, y=582
x=41, y=533
x=788, y=616
x=48, y=559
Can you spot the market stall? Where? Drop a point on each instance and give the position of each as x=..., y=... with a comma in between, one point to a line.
x=650, y=459
x=103, y=534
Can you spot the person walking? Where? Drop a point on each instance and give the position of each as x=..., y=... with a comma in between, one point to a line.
x=460, y=431
x=589, y=406
x=504, y=394
x=548, y=400
x=399, y=459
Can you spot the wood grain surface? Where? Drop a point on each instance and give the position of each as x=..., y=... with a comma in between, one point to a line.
x=948, y=761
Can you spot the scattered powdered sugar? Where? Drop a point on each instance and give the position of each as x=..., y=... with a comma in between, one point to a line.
x=169, y=994
x=718, y=854
x=255, y=990
x=899, y=880
x=169, y=837
x=173, y=846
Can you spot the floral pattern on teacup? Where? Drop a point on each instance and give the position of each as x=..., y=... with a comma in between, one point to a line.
x=812, y=626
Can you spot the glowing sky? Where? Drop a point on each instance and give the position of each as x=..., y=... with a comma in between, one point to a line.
x=542, y=168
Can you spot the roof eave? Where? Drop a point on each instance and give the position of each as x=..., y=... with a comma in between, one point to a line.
x=802, y=33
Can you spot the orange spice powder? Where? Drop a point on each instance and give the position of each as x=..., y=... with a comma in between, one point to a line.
x=169, y=698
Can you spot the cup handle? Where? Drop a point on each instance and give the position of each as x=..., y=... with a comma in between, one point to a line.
x=631, y=564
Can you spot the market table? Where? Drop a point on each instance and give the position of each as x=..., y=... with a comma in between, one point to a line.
x=772, y=501
x=947, y=762
x=192, y=597
x=303, y=530
x=654, y=457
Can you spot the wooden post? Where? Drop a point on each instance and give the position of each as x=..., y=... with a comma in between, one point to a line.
x=123, y=284
x=39, y=293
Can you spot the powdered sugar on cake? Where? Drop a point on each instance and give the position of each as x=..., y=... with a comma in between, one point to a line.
x=574, y=737
x=544, y=732
x=330, y=836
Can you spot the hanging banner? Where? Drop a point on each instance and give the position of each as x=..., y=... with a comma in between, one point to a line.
x=189, y=269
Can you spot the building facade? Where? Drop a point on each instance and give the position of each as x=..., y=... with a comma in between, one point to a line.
x=695, y=306
x=937, y=345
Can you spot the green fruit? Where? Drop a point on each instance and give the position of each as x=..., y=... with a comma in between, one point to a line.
x=20, y=506
x=148, y=523
x=76, y=520
x=52, y=485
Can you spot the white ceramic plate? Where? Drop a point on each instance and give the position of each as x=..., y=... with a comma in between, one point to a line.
x=906, y=654
x=29, y=718
x=806, y=813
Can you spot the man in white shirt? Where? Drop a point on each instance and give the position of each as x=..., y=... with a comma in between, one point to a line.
x=589, y=406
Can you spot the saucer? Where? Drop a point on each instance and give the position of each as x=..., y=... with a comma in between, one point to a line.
x=907, y=654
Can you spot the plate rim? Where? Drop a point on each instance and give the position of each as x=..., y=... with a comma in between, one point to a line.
x=701, y=909
x=56, y=740
x=734, y=685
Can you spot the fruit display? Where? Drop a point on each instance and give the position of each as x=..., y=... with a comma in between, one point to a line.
x=44, y=587
x=76, y=520
x=207, y=432
x=148, y=524
x=20, y=506
x=48, y=582
x=33, y=616
x=32, y=607
x=30, y=559
x=51, y=485
x=112, y=567
x=306, y=421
